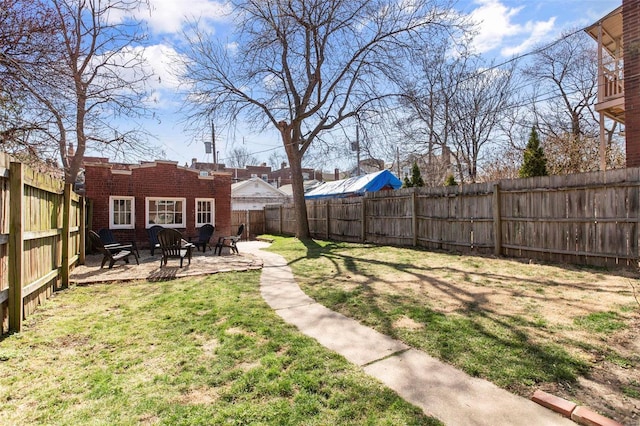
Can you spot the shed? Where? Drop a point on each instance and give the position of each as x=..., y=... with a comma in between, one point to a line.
x=254, y=194
x=355, y=186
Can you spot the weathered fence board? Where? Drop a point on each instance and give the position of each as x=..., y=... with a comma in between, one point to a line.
x=589, y=218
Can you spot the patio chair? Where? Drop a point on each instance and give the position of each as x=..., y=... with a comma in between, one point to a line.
x=204, y=236
x=153, y=237
x=112, y=253
x=173, y=246
x=230, y=241
x=107, y=238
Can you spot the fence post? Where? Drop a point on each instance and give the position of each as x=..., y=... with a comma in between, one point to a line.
x=248, y=225
x=497, y=221
x=280, y=219
x=83, y=227
x=414, y=217
x=16, y=245
x=327, y=210
x=66, y=235
x=363, y=219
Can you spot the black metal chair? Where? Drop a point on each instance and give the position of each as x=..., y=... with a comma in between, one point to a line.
x=204, y=237
x=111, y=253
x=107, y=238
x=153, y=237
x=230, y=241
x=173, y=246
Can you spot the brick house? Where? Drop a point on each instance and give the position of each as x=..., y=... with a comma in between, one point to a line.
x=130, y=198
x=277, y=178
x=631, y=36
x=618, y=38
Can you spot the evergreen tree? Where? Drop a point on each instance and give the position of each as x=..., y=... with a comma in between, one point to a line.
x=416, y=177
x=450, y=181
x=534, y=162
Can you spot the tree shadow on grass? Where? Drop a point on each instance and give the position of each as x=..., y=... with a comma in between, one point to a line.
x=474, y=337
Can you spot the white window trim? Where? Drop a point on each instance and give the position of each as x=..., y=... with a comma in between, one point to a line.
x=213, y=211
x=174, y=225
x=112, y=225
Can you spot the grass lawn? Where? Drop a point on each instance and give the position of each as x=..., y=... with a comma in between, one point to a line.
x=189, y=351
x=574, y=332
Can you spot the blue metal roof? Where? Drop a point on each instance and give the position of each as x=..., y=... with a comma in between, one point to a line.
x=355, y=186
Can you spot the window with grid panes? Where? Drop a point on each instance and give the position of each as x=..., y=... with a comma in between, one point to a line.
x=121, y=212
x=167, y=212
x=205, y=211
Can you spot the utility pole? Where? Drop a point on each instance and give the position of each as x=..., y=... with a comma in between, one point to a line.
x=213, y=143
x=358, y=149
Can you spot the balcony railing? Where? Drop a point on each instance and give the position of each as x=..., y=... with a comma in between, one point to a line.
x=611, y=80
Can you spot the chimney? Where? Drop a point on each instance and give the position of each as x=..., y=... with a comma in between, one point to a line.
x=194, y=161
x=263, y=165
x=283, y=165
x=336, y=174
x=70, y=151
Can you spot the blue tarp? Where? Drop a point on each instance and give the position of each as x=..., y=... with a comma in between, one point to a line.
x=355, y=186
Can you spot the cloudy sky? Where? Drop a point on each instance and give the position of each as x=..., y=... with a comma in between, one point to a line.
x=507, y=28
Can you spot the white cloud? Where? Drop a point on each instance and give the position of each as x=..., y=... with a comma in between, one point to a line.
x=165, y=64
x=496, y=23
x=168, y=16
x=538, y=32
x=164, y=61
x=232, y=47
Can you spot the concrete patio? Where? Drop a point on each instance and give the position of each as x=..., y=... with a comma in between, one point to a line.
x=149, y=268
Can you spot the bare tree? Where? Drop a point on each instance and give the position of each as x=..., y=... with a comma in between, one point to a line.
x=565, y=75
x=427, y=102
x=240, y=157
x=276, y=159
x=23, y=25
x=480, y=101
x=454, y=104
x=80, y=76
x=305, y=67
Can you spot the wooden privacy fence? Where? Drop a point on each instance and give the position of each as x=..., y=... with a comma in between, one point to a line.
x=589, y=218
x=253, y=220
x=40, y=239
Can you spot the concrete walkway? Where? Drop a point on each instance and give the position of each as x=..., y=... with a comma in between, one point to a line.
x=439, y=389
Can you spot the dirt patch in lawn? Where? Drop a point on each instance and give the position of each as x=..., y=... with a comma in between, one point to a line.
x=590, y=313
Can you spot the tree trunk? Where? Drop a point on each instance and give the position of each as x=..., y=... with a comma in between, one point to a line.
x=300, y=206
x=297, y=185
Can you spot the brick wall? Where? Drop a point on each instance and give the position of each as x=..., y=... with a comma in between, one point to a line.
x=280, y=176
x=631, y=37
x=158, y=179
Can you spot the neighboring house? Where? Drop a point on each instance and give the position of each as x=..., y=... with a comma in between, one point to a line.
x=618, y=37
x=254, y=194
x=277, y=178
x=336, y=175
x=358, y=185
x=434, y=169
x=367, y=166
x=129, y=199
